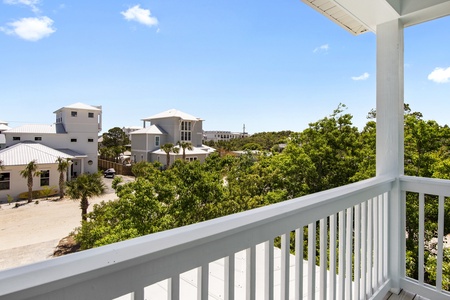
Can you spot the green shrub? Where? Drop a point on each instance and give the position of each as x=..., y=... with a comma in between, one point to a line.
x=44, y=193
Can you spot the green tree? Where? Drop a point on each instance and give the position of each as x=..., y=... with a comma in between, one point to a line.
x=28, y=173
x=144, y=168
x=63, y=166
x=366, y=157
x=168, y=148
x=84, y=187
x=115, y=141
x=333, y=145
x=115, y=137
x=184, y=146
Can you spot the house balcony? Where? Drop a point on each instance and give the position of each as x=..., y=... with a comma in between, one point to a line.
x=343, y=243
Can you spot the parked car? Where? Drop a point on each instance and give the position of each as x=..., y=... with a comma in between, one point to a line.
x=110, y=173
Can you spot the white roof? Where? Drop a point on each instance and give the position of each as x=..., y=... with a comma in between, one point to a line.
x=38, y=128
x=153, y=129
x=195, y=151
x=3, y=126
x=3, y=122
x=23, y=153
x=72, y=153
x=172, y=113
x=80, y=105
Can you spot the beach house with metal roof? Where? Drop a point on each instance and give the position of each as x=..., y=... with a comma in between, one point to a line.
x=73, y=135
x=171, y=126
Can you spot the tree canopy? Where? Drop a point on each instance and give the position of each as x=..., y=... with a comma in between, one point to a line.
x=330, y=152
x=115, y=142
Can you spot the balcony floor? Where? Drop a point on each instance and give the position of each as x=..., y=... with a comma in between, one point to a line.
x=404, y=295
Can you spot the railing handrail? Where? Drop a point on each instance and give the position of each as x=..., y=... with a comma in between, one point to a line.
x=164, y=251
x=424, y=185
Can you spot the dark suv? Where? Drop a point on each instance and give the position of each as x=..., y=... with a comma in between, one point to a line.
x=110, y=173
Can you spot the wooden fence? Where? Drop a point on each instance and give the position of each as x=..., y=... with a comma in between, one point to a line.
x=120, y=168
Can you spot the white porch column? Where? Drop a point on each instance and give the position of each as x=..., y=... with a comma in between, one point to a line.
x=390, y=137
x=390, y=87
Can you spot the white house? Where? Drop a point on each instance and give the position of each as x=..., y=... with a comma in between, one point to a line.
x=73, y=135
x=221, y=135
x=3, y=126
x=16, y=157
x=171, y=126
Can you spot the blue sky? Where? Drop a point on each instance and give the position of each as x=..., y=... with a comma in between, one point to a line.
x=271, y=65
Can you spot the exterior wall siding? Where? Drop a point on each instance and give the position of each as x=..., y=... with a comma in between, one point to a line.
x=18, y=184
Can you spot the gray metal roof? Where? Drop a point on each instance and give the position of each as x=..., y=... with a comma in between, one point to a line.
x=23, y=153
x=73, y=153
x=4, y=127
x=80, y=105
x=172, y=113
x=39, y=128
x=153, y=129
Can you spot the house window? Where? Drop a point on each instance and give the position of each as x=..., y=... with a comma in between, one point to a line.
x=191, y=158
x=16, y=138
x=186, y=128
x=4, y=181
x=73, y=113
x=73, y=140
x=156, y=141
x=90, y=140
x=90, y=115
x=38, y=138
x=45, y=177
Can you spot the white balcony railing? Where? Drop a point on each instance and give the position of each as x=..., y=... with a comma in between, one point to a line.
x=350, y=225
x=439, y=189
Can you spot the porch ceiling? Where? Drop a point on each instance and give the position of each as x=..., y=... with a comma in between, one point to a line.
x=364, y=15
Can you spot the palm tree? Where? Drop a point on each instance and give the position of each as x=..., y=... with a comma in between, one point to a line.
x=84, y=187
x=63, y=165
x=184, y=146
x=169, y=147
x=29, y=172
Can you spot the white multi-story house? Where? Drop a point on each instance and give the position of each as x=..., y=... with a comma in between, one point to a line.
x=73, y=136
x=171, y=126
x=130, y=129
x=220, y=135
x=3, y=126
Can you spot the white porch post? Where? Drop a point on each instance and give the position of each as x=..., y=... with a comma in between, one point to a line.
x=390, y=137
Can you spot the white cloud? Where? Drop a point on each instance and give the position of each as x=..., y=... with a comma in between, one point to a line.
x=30, y=3
x=323, y=48
x=440, y=75
x=30, y=29
x=140, y=15
x=361, y=77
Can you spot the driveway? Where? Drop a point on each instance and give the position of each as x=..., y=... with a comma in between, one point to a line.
x=31, y=232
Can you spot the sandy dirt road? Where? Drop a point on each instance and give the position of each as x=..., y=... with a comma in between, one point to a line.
x=31, y=232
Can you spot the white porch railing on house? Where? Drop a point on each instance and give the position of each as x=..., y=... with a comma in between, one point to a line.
x=440, y=189
x=350, y=225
